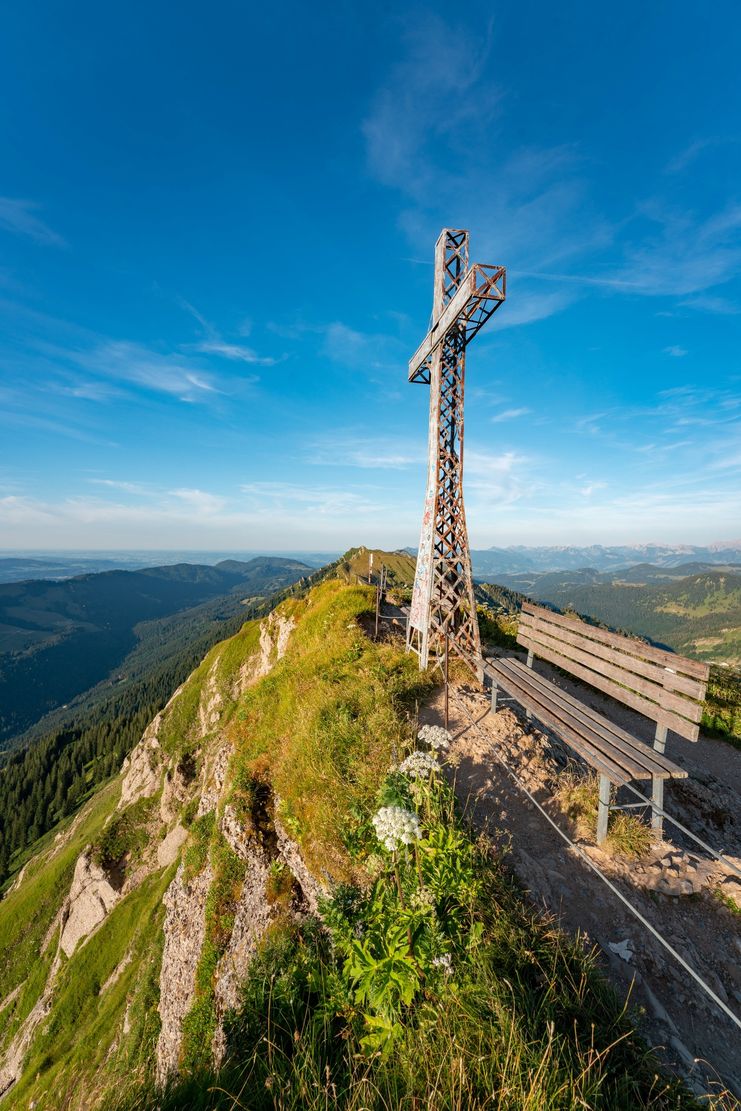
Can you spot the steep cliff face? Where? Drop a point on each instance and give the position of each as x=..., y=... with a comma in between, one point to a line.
x=173, y=812
x=126, y=941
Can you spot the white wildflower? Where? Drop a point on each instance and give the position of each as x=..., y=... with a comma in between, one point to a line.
x=435, y=736
x=419, y=765
x=423, y=899
x=445, y=963
x=396, y=826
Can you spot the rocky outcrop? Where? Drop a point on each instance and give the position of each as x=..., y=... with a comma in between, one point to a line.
x=168, y=849
x=141, y=770
x=91, y=898
x=253, y=916
x=275, y=632
x=184, y=928
x=289, y=851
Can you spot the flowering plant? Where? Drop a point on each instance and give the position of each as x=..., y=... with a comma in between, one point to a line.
x=396, y=826
x=435, y=737
x=419, y=765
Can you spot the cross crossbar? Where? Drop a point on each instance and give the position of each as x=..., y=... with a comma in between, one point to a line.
x=479, y=295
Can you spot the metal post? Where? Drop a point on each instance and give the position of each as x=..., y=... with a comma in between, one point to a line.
x=603, y=809
x=494, y=692
x=657, y=799
x=446, y=677
x=378, y=605
x=660, y=738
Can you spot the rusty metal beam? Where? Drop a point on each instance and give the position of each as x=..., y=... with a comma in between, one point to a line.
x=477, y=298
x=443, y=610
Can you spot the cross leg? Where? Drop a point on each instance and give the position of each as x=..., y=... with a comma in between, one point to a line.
x=657, y=800
x=603, y=808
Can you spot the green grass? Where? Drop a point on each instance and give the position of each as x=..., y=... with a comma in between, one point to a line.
x=627, y=835
x=27, y=913
x=82, y=1046
x=322, y=728
x=525, y=1022
x=199, y=1025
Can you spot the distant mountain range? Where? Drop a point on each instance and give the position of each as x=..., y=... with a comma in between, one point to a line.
x=492, y=561
x=60, y=639
x=16, y=566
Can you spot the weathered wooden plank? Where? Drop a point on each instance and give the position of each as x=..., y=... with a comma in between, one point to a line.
x=635, y=761
x=638, y=648
x=613, y=735
x=659, y=673
x=667, y=700
x=594, y=758
x=636, y=701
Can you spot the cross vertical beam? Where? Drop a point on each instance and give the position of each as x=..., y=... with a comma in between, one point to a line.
x=443, y=602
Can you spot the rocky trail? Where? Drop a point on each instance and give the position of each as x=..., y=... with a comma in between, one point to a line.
x=675, y=886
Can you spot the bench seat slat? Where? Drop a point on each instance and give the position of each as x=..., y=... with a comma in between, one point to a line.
x=636, y=701
x=545, y=694
x=601, y=763
x=611, y=732
x=646, y=651
x=582, y=653
x=577, y=635
x=542, y=698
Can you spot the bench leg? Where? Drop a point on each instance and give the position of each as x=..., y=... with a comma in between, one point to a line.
x=603, y=808
x=660, y=738
x=494, y=693
x=657, y=798
x=529, y=663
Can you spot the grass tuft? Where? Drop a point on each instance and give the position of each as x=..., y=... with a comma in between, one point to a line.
x=578, y=797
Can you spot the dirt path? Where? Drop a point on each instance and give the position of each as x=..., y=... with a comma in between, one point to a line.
x=672, y=887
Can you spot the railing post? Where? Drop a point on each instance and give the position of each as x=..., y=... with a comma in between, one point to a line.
x=603, y=808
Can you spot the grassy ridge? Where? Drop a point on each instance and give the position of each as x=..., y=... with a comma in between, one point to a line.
x=433, y=984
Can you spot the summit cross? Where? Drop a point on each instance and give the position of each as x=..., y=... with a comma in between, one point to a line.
x=443, y=602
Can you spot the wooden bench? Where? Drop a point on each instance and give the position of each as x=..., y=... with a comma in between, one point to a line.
x=666, y=688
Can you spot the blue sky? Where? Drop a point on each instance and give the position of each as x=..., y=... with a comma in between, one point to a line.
x=216, y=234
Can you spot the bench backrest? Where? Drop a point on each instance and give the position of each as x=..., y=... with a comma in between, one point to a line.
x=667, y=688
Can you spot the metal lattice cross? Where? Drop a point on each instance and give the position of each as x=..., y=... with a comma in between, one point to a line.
x=443, y=603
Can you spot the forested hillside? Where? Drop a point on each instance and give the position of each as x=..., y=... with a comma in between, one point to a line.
x=58, y=639
x=54, y=768
x=695, y=613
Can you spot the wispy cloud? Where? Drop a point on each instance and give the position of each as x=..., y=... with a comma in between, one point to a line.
x=122, y=361
x=343, y=450
x=693, y=151
x=510, y=414
x=126, y=487
x=19, y=216
x=215, y=344
x=677, y=254
x=675, y=351
x=363, y=350
x=235, y=351
x=200, y=501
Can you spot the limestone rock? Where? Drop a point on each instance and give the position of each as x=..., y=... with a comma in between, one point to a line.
x=91, y=898
x=184, y=928
x=167, y=850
